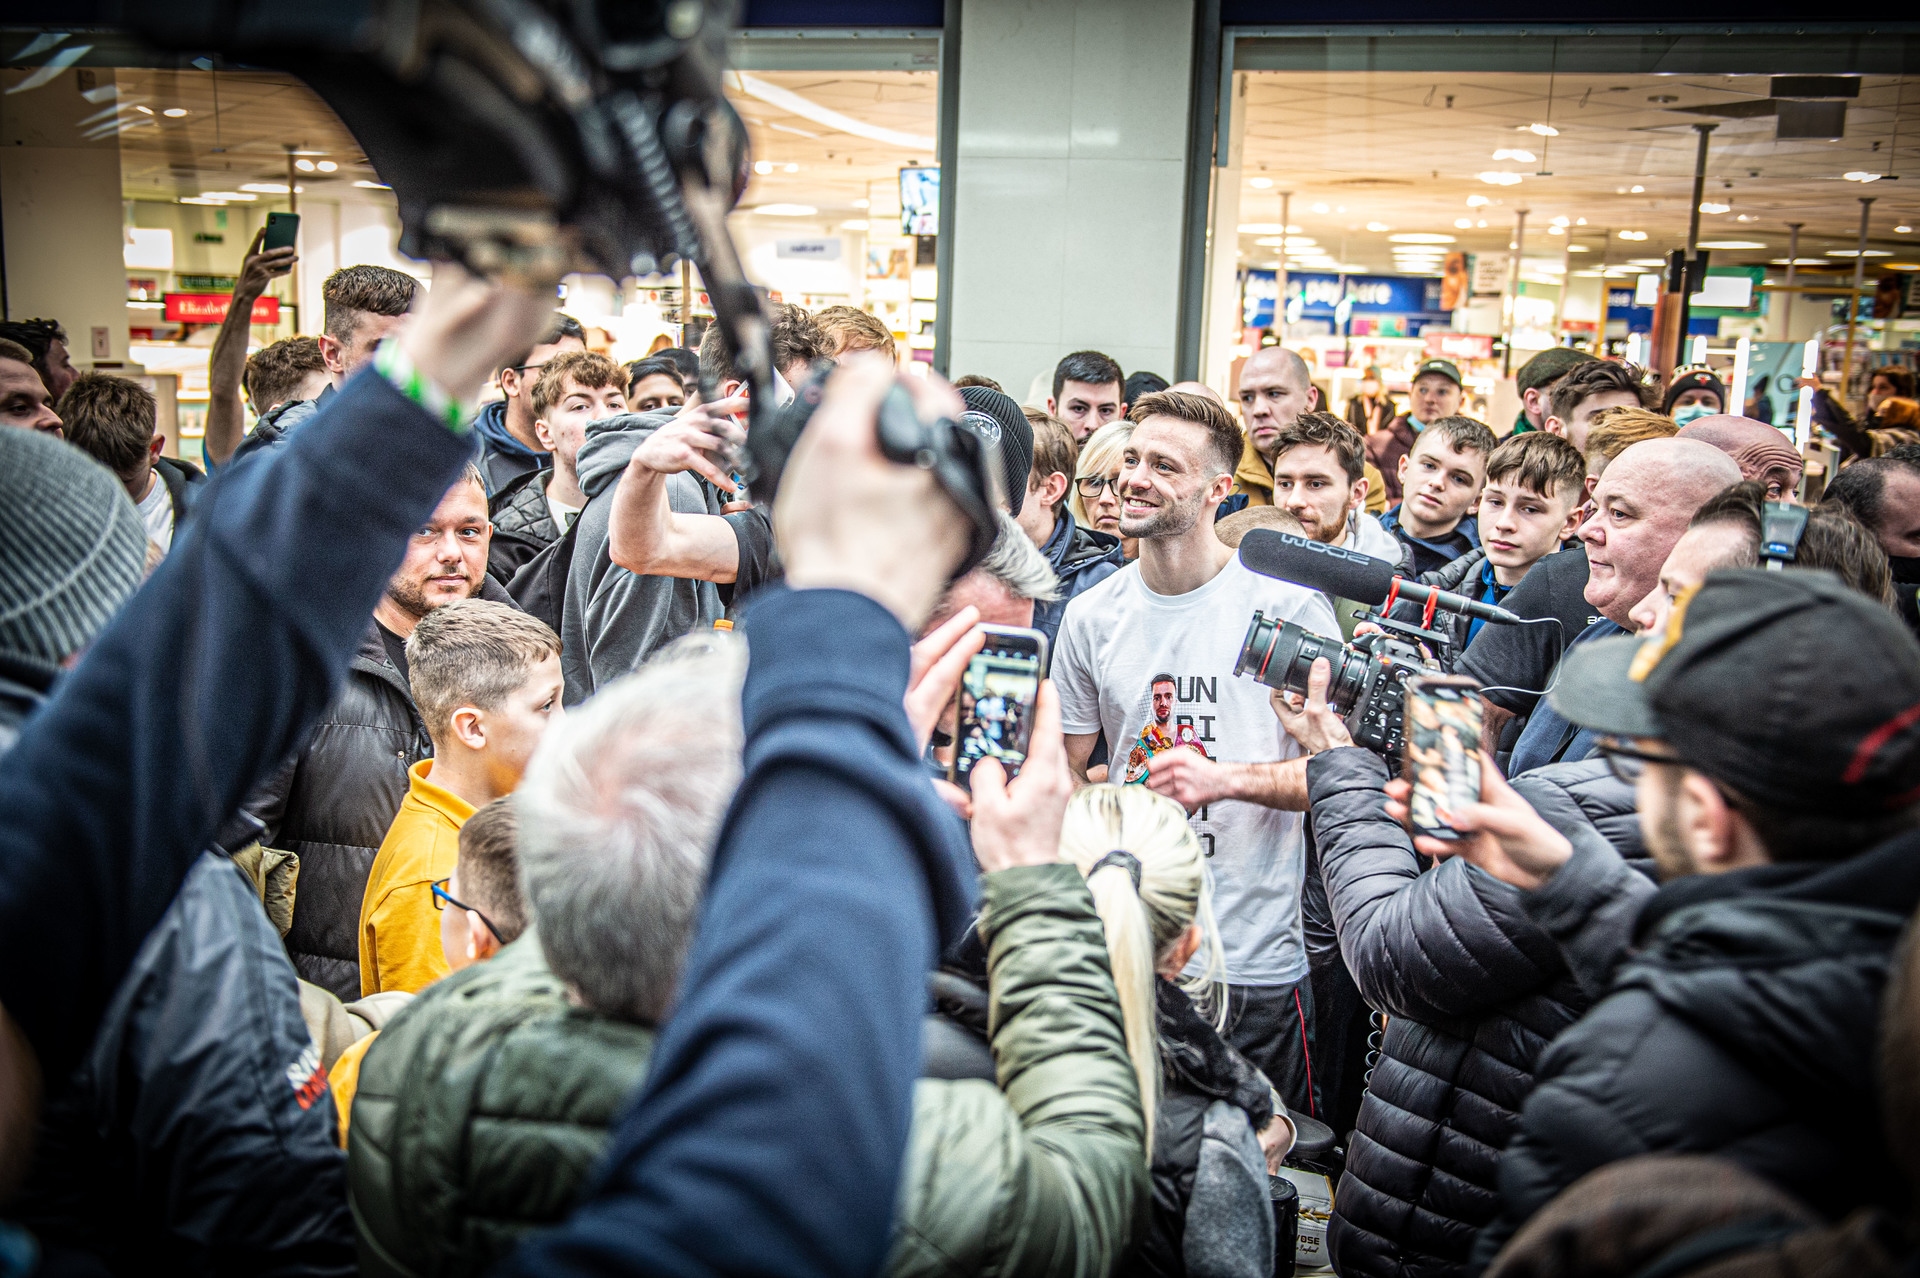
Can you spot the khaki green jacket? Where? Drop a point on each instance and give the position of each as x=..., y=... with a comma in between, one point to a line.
x=1045, y=1174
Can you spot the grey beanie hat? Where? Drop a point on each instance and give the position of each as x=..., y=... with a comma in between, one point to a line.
x=72, y=547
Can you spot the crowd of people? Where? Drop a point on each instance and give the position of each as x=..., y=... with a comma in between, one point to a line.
x=445, y=837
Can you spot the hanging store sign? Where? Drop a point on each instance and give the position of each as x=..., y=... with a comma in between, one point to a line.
x=1321, y=296
x=211, y=308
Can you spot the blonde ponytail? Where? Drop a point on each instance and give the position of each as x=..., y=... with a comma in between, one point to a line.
x=1149, y=885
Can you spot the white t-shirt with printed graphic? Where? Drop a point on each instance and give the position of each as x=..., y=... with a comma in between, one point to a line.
x=1114, y=640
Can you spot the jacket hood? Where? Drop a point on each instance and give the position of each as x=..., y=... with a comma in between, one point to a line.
x=1785, y=965
x=1072, y=545
x=610, y=444
x=1368, y=536
x=491, y=425
x=1253, y=476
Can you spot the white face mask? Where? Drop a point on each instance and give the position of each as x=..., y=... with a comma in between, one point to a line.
x=1691, y=412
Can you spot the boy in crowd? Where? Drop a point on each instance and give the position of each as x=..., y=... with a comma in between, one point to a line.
x=487, y=681
x=1434, y=395
x=1081, y=557
x=113, y=420
x=1535, y=381
x=1089, y=390
x=534, y=511
x=1319, y=475
x=850, y=329
x=1441, y=477
x=1592, y=388
x=289, y=371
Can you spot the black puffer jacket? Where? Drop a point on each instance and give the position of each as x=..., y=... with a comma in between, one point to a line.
x=522, y=524
x=1741, y=1020
x=1473, y=990
x=1460, y=577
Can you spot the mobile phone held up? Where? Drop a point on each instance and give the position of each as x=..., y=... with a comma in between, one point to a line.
x=995, y=702
x=282, y=230
x=1442, y=745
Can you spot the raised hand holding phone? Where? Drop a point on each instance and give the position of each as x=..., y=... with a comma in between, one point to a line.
x=1018, y=822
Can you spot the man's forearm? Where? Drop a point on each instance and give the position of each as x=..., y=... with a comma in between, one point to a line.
x=647, y=536
x=1271, y=785
x=226, y=367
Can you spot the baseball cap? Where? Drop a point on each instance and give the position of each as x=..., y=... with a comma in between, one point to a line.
x=1548, y=366
x=993, y=415
x=1445, y=367
x=1694, y=379
x=1787, y=686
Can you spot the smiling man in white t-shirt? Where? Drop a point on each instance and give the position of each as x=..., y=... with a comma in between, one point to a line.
x=1177, y=616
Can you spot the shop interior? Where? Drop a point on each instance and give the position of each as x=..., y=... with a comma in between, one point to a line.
x=841, y=208
x=1484, y=216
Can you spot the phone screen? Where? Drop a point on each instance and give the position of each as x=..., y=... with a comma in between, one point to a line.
x=996, y=699
x=1442, y=745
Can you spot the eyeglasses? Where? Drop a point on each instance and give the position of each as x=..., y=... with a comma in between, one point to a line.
x=1092, y=485
x=442, y=899
x=1625, y=762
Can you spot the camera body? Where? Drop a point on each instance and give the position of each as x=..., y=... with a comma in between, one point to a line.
x=1369, y=683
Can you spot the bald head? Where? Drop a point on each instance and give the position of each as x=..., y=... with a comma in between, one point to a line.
x=1761, y=451
x=1274, y=391
x=1641, y=507
x=1199, y=388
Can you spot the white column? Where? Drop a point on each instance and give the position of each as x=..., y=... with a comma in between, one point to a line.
x=1071, y=164
x=1222, y=341
x=60, y=202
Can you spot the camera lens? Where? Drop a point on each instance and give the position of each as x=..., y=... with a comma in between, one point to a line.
x=1281, y=655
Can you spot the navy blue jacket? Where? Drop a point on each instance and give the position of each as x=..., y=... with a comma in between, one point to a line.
x=1082, y=558
x=770, y=1133
x=208, y=677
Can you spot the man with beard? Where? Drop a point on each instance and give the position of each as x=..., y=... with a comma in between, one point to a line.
x=1169, y=625
x=1883, y=493
x=1319, y=477
x=331, y=803
x=1276, y=392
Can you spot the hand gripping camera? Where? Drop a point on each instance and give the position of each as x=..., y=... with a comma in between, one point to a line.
x=539, y=137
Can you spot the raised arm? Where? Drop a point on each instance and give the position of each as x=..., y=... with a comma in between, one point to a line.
x=227, y=365
x=645, y=534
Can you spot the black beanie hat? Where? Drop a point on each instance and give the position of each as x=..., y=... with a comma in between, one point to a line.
x=1015, y=435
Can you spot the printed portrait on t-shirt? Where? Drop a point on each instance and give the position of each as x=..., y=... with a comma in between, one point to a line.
x=1160, y=733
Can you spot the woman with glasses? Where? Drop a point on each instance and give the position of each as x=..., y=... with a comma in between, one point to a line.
x=1096, y=484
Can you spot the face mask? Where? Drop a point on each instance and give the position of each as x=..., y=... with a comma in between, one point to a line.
x=1691, y=412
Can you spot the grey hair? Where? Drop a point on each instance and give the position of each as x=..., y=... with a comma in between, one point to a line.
x=619, y=810
x=1017, y=564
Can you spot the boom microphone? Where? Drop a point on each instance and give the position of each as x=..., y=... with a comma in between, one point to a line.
x=1348, y=574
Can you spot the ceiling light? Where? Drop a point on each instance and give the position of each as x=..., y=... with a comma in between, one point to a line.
x=1580, y=221
x=1861, y=175
x=1500, y=177
x=326, y=166
x=1320, y=208
x=1732, y=244
x=305, y=166
x=1633, y=235
x=1540, y=130
x=201, y=199
x=1291, y=241
x=787, y=210
x=793, y=168
x=1267, y=228
x=1482, y=224
x=1708, y=206
x=861, y=204
x=1513, y=153
x=1746, y=217
x=1419, y=237
x=270, y=188
x=1646, y=261
x=1556, y=230
x=1578, y=248
x=143, y=110
x=1475, y=201
x=1858, y=253
x=854, y=224
x=365, y=185
x=1260, y=183
x=1636, y=190
x=1377, y=227
x=1902, y=230
x=1800, y=261
x=1464, y=223
x=228, y=195
x=1562, y=221
x=763, y=167
x=1904, y=266
x=174, y=113
x=789, y=101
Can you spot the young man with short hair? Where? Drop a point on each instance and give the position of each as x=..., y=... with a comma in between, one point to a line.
x=510, y=448
x=1591, y=388
x=46, y=344
x=1182, y=609
x=487, y=680
x=848, y=328
x=653, y=383
x=535, y=510
x=1535, y=381
x=24, y=401
x=1435, y=394
x=114, y=421
x=285, y=372
x=1081, y=557
x=1440, y=478
x=1089, y=390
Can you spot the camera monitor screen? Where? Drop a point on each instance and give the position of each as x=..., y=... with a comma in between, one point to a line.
x=919, y=201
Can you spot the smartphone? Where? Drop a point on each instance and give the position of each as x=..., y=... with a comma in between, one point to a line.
x=1442, y=745
x=282, y=230
x=996, y=696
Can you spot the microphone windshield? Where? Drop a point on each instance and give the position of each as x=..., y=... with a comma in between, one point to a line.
x=1344, y=574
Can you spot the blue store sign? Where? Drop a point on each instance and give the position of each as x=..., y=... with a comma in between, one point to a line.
x=1320, y=295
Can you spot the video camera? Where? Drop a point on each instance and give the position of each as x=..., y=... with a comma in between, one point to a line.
x=534, y=138
x=1369, y=683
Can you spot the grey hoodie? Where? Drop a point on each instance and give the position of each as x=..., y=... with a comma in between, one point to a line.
x=614, y=619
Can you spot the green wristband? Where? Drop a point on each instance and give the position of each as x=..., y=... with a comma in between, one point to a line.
x=395, y=365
